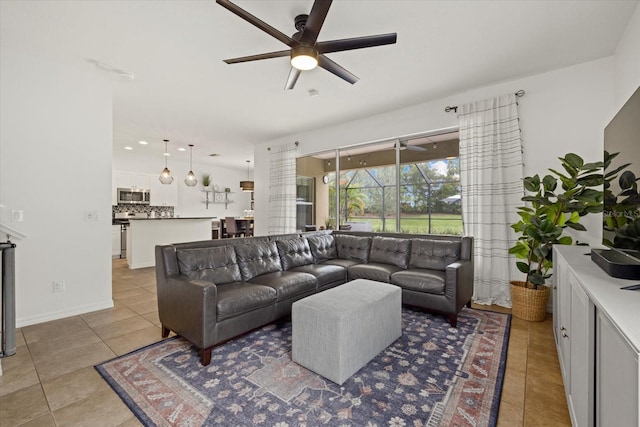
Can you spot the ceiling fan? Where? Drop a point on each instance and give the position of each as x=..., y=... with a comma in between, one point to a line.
x=306, y=51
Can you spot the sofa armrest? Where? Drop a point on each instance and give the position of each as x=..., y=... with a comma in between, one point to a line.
x=188, y=307
x=459, y=282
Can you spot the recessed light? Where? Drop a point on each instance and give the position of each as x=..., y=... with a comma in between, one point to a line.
x=167, y=154
x=313, y=92
x=182, y=149
x=142, y=142
x=128, y=148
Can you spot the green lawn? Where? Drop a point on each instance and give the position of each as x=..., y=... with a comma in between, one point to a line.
x=440, y=224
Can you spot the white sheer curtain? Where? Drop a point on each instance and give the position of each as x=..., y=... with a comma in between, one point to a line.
x=282, y=189
x=491, y=179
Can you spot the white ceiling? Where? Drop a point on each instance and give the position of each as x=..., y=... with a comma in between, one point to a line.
x=183, y=91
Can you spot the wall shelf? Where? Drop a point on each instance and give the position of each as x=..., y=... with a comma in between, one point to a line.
x=217, y=197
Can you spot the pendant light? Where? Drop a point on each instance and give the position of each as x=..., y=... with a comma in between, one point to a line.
x=190, y=180
x=165, y=176
x=247, y=185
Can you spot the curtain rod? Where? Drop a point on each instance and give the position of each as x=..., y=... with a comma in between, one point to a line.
x=448, y=109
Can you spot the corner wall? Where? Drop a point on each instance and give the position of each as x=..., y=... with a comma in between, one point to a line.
x=55, y=166
x=627, y=61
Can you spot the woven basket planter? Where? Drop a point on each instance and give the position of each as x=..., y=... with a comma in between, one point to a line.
x=529, y=304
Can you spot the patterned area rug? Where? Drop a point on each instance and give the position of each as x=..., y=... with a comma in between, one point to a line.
x=433, y=375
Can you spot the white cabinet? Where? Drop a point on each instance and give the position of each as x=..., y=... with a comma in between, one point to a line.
x=597, y=328
x=163, y=194
x=124, y=179
x=617, y=376
x=115, y=241
x=574, y=337
x=135, y=180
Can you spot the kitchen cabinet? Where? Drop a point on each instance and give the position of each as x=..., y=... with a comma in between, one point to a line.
x=135, y=180
x=115, y=241
x=163, y=194
x=598, y=340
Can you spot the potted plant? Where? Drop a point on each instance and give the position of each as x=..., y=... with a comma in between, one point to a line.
x=206, y=180
x=549, y=212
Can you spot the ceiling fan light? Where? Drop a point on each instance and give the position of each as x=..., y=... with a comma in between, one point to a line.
x=304, y=58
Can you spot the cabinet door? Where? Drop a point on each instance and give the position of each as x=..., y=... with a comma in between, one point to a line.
x=140, y=181
x=163, y=194
x=616, y=377
x=124, y=179
x=581, y=356
x=563, y=293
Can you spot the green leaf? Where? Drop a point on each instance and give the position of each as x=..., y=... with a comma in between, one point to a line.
x=626, y=180
x=536, y=279
x=576, y=226
x=573, y=160
x=532, y=183
x=565, y=240
x=523, y=267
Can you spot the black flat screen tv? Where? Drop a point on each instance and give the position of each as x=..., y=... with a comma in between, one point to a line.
x=621, y=215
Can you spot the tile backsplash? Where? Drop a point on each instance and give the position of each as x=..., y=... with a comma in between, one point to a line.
x=159, y=210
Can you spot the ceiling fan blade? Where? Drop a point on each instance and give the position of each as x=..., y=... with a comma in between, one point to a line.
x=257, y=22
x=258, y=57
x=356, y=43
x=314, y=22
x=336, y=69
x=293, y=78
x=415, y=148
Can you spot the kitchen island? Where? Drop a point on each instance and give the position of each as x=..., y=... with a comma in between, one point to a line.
x=145, y=234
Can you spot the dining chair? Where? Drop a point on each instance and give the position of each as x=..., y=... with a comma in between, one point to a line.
x=232, y=227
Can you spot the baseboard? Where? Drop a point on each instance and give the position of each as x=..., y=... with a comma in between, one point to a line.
x=46, y=317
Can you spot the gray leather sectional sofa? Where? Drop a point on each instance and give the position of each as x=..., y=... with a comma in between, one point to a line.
x=211, y=291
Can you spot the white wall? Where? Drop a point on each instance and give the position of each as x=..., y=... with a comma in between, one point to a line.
x=55, y=165
x=190, y=199
x=563, y=111
x=627, y=61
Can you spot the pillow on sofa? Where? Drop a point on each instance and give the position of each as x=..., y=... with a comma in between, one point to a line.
x=355, y=248
x=433, y=254
x=294, y=252
x=218, y=265
x=390, y=250
x=323, y=247
x=255, y=259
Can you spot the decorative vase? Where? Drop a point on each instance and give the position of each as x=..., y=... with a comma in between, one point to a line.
x=529, y=304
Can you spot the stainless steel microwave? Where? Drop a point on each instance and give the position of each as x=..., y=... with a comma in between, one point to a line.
x=133, y=196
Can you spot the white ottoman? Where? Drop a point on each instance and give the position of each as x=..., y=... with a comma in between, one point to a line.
x=338, y=331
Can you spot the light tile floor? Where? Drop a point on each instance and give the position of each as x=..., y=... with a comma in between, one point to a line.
x=51, y=380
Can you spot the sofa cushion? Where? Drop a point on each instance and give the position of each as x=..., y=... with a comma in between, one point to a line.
x=344, y=263
x=419, y=280
x=238, y=298
x=378, y=272
x=218, y=265
x=433, y=254
x=322, y=247
x=258, y=258
x=294, y=252
x=390, y=250
x=354, y=248
x=325, y=273
x=287, y=284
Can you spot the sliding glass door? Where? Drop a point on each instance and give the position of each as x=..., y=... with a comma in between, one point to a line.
x=407, y=185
